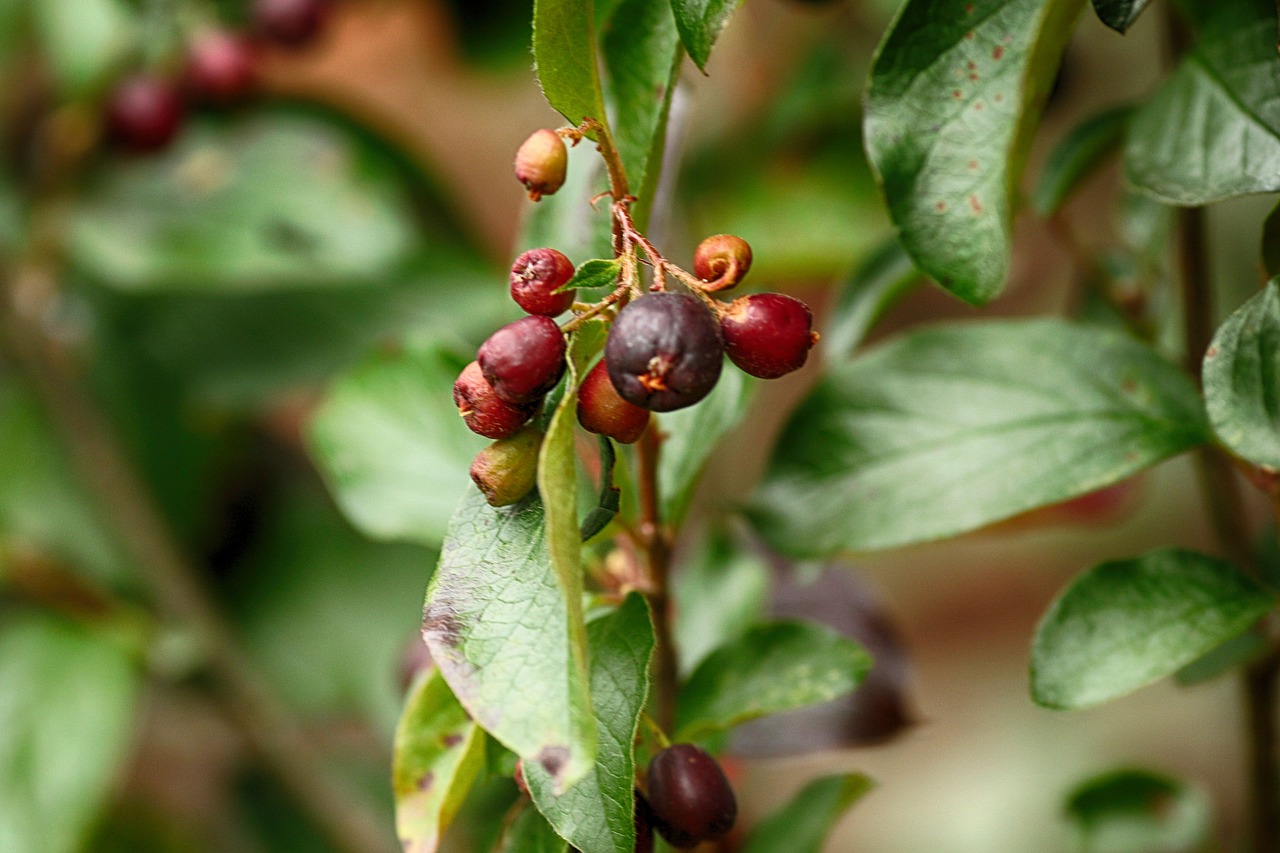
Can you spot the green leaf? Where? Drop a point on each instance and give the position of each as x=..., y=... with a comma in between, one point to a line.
x=700, y=23
x=1137, y=811
x=392, y=447
x=1212, y=131
x=85, y=40
x=884, y=276
x=1271, y=242
x=597, y=814
x=564, y=54
x=1078, y=156
x=1124, y=624
x=693, y=433
x=276, y=201
x=592, y=274
x=948, y=429
x=1119, y=14
x=438, y=753
x=802, y=825
x=498, y=625
x=719, y=592
x=1242, y=379
x=955, y=90
x=1238, y=650
x=66, y=720
x=530, y=833
x=771, y=668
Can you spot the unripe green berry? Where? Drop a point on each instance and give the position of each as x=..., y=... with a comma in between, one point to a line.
x=541, y=163
x=507, y=470
x=721, y=261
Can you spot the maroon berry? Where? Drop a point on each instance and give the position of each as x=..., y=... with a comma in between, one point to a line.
x=644, y=825
x=291, y=23
x=524, y=360
x=144, y=112
x=541, y=163
x=484, y=411
x=534, y=276
x=222, y=67
x=689, y=797
x=602, y=411
x=768, y=334
x=721, y=261
x=664, y=352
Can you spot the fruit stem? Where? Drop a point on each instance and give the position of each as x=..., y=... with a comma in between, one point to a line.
x=657, y=546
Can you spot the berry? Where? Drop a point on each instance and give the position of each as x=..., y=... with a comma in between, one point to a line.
x=541, y=163
x=484, y=411
x=689, y=797
x=222, y=67
x=644, y=825
x=534, y=276
x=291, y=23
x=768, y=334
x=144, y=112
x=602, y=411
x=722, y=261
x=664, y=352
x=507, y=470
x=523, y=360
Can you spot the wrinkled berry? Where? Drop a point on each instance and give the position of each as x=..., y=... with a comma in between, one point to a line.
x=602, y=411
x=144, y=112
x=689, y=797
x=542, y=162
x=768, y=334
x=664, y=352
x=291, y=23
x=222, y=67
x=523, y=360
x=484, y=411
x=721, y=261
x=507, y=470
x=534, y=276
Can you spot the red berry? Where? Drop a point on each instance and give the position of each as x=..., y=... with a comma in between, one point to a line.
x=144, y=112
x=542, y=162
x=768, y=334
x=524, y=360
x=222, y=67
x=690, y=799
x=534, y=276
x=602, y=411
x=664, y=352
x=291, y=23
x=721, y=261
x=484, y=411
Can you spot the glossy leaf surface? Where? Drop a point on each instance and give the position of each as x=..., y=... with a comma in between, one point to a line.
x=564, y=53
x=1119, y=14
x=700, y=23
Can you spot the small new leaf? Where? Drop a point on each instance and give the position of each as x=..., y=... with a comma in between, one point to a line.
x=592, y=274
x=700, y=23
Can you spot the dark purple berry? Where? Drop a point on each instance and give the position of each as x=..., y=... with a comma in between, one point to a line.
x=484, y=411
x=768, y=334
x=534, y=276
x=524, y=360
x=689, y=797
x=721, y=261
x=144, y=112
x=542, y=162
x=222, y=67
x=644, y=825
x=291, y=23
x=664, y=352
x=602, y=411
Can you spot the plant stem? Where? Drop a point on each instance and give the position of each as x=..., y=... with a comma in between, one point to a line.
x=123, y=500
x=666, y=672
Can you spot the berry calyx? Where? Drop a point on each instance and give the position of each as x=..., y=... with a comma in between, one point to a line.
x=541, y=163
x=291, y=23
x=664, y=352
x=222, y=67
x=524, y=360
x=768, y=334
x=601, y=410
x=690, y=799
x=721, y=261
x=484, y=411
x=534, y=277
x=144, y=112
x=507, y=470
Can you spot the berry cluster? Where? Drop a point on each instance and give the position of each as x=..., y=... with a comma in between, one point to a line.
x=145, y=110
x=664, y=350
